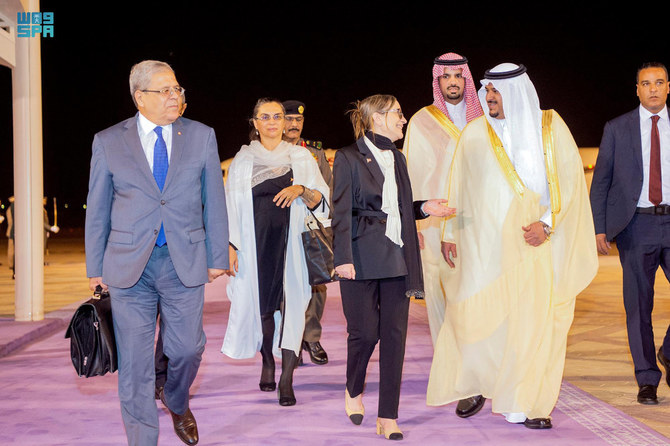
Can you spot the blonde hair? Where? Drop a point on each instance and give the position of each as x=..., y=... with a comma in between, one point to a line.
x=362, y=111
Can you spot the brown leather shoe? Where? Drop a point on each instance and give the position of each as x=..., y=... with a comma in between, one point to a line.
x=184, y=425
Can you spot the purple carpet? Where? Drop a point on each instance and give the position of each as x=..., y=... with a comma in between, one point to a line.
x=45, y=403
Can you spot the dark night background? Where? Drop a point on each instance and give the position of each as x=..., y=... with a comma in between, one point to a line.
x=582, y=61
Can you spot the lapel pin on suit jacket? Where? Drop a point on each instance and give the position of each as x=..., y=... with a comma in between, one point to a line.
x=369, y=160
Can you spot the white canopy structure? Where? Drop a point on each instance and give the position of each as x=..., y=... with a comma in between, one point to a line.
x=22, y=56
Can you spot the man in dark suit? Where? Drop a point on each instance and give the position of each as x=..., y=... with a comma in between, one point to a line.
x=630, y=199
x=156, y=232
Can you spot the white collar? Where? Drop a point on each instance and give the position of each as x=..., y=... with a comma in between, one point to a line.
x=147, y=126
x=646, y=114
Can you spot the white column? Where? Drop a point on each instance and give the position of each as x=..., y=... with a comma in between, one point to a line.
x=28, y=178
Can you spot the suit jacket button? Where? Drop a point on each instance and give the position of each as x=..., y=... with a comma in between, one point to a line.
x=163, y=202
x=383, y=220
x=155, y=231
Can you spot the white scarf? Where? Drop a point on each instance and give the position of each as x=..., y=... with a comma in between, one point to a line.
x=386, y=162
x=268, y=163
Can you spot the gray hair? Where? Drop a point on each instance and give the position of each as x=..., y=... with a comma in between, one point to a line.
x=142, y=72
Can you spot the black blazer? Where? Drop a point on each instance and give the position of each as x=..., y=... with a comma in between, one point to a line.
x=617, y=178
x=359, y=225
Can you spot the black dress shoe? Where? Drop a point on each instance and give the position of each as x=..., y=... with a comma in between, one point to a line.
x=647, y=394
x=537, y=423
x=316, y=353
x=665, y=363
x=470, y=406
x=184, y=425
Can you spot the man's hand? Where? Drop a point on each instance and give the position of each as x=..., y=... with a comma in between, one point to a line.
x=422, y=244
x=93, y=282
x=213, y=273
x=534, y=233
x=437, y=208
x=602, y=244
x=232, y=256
x=449, y=253
x=346, y=271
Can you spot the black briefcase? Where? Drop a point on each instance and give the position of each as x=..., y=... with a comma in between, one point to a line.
x=317, y=244
x=91, y=334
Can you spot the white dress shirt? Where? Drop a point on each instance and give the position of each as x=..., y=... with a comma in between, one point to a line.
x=664, y=133
x=457, y=113
x=148, y=137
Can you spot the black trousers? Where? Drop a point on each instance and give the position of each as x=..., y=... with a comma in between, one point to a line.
x=643, y=246
x=376, y=310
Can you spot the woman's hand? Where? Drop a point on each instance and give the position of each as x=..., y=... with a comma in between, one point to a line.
x=346, y=271
x=286, y=196
x=437, y=207
x=232, y=256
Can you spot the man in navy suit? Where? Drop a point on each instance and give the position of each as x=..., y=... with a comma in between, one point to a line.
x=156, y=232
x=630, y=199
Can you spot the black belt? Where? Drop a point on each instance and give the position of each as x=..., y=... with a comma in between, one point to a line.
x=367, y=213
x=662, y=209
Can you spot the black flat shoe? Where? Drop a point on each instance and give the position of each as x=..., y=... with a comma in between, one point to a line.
x=538, y=423
x=665, y=363
x=470, y=406
x=647, y=395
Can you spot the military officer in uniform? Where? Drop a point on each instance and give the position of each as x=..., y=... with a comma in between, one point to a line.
x=294, y=121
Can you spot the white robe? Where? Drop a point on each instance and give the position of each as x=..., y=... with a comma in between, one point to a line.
x=510, y=304
x=244, y=335
x=429, y=148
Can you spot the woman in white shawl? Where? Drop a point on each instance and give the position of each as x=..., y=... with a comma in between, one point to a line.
x=271, y=183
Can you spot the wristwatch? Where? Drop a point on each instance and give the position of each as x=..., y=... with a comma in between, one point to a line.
x=547, y=230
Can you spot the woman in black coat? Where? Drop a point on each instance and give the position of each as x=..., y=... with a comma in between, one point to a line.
x=377, y=252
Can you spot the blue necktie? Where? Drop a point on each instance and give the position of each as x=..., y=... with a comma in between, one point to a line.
x=160, y=172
